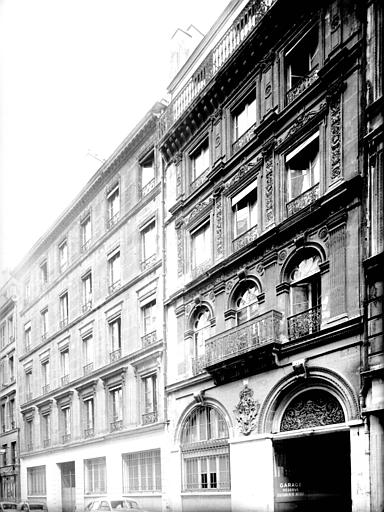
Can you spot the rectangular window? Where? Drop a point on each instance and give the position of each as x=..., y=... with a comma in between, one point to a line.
x=3, y=417
x=206, y=472
x=113, y=206
x=85, y=228
x=201, y=245
x=45, y=374
x=13, y=452
x=2, y=335
x=64, y=310
x=11, y=413
x=303, y=174
x=244, y=207
x=89, y=419
x=115, y=336
x=88, y=354
x=114, y=271
x=142, y=471
x=11, y=329
x=29, y=434
x=147, y=175
x=116, y=405
x=149, y=245
x=95, y=476
x=36, y=482
x=44, y=323
x=11, y=368
x=44, y=273
x=149, y=317
x=5, y=450
x=63, y=255
x=244, y=118
x=65, y=424
x=28, y=385
x=150, y=394
x=200, y=160
x=45, y=430
x=376, y=171
x=87, y=292
x=64, y=363
x=27, y=336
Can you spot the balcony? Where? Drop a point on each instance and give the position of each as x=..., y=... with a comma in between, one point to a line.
x=244, y=350
x=87, y=306
x=303, y=200
x=304, y=323
x=198, y=365
x=195, y=184
x=243, y=139
x=46, y=443
x=114, y=286
x=116, y=425
x=63, y=323
x=88, y=368
x=148, y=339
x=304, y=83
x=200, y=269
x=113, y=220
x=45, y=389
x=240, y=30
x=148, y=187
x=149, y=262
x=89, y=432
x=86, y=245
x=149, y=417
x=65, y=380
x=245, y=238
x=65, y=438
x=115, y=355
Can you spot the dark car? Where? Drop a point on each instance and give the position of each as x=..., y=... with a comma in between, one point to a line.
x=114, y=505
x=8, y=505
x=26, y=506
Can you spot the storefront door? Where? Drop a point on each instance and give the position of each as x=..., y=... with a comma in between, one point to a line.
x=312, y=474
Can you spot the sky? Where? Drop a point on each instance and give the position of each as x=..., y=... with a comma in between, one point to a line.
x=75, y=77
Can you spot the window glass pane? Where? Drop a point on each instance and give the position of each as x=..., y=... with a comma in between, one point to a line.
x=201, y=245
x=149, y=241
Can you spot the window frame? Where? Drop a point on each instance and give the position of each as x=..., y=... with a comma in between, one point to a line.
x=203, y=226
x=202, y=148
x=141, y=475
x=113, y=216
x=85, y=242
x=92, y=465
x=63, y=251
x=64, y=308
x=147, y=260
x=114, y=268
x=41, y=488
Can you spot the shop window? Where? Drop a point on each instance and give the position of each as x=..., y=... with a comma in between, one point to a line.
x=244, y=118
x=205, y=451
x=113, y=206
x=87, y=292
x=147, y=175
x=148, y=245
x=201, y=248
x=64, y=309
x=305, y=298
x=142, y=471
x=85, y=233
x=244, y=212
x=114, y=271
x=303, y=174
x=63, y=255
x=301, y=64
x=95, y=476
x=36, y=482
x=199, y=160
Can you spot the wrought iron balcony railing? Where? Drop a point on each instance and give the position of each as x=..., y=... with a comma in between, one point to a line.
x=115, y=355
x=65, y=438
x=88, y=368
x=114, y=286
x=245, y=238
x=148, y=187
x=243, y=338
x=240, y=30
x=306, y=322
x=113, y=220
x=89, y=432
x=86, y=245
x=304, y=83
x=116, y=425
x=45, y=389
x=243, y=139
x=149, y=262
x=65, y=380
x=46, y=443
x=148, y=339
x=87, y=306
x=198, y=365
x=149, y=417
x=303, y=200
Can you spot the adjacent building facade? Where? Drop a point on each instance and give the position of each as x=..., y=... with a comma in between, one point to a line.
x=202, y=328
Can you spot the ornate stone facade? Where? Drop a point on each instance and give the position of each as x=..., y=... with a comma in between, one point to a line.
x=246, y=411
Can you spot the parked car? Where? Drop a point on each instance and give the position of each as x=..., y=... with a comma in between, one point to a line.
x=26, y=506
x=8, y=505
x=113, y=505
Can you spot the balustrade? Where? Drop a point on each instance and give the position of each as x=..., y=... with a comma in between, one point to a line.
x=149, y=339
x=303, y=200
x=245, y=238
x=306, y=322
x=302, y=85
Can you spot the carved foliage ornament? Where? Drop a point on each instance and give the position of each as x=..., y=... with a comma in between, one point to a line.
x=219, y=227
x=335, y=138
x=312, y=409
x=246, y=411
x=269, y=190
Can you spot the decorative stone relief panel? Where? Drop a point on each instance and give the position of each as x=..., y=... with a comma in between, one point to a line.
x=337, y=237
x=180, y=249
x=219, y=226
x=335, y=113
x=246, y=411
x=269, y=203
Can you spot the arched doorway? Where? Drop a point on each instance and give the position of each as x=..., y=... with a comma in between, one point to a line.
x=312, y=455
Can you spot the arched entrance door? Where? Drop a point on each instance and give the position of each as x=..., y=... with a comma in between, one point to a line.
x=312, y=470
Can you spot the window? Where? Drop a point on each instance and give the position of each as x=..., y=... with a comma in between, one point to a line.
x=113, y=204
x=150, y=398
x=149, y=245
x=63, y=255
x=201, y=332
x=88, y=354
x=244, y=208
x=147, y=175
x=2, y=335
x=27, y=291
x=65, y=423
x=63, y=310
x=3, y=417
x=114, y=270
x=376, y=171
x=11, y=413
x=11, y=368
x=142, y=471
x=85, y=229
x=89, y=419
x=11, y=329
x=13, y=452
x=27, y=336
x=201, y=246
x=44, y=273
x=301, y=62
x=246, y=302
x=148, y=313
x=116, y=408
x=200, y=160
x=28, y=385
x=244, y=118
x=87, y=292
x=303, y=174
x=45, y=429
x=45, y=374
x=207, y=466
x=64, y=363
x=95, y=477
x=29, y=434
x=36, y=481
x=5, y=450
x=44, y=323
x=305, y=298
x=115, y=338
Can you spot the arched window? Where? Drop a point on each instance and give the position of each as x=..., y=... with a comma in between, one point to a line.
x=246, y=302
x=305, y=298
x=201, y=330
x=205, y=450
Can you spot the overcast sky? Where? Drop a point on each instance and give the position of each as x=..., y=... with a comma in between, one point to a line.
x=75, y=76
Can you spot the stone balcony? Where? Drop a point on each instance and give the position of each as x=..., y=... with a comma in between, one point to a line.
x=243, y=350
